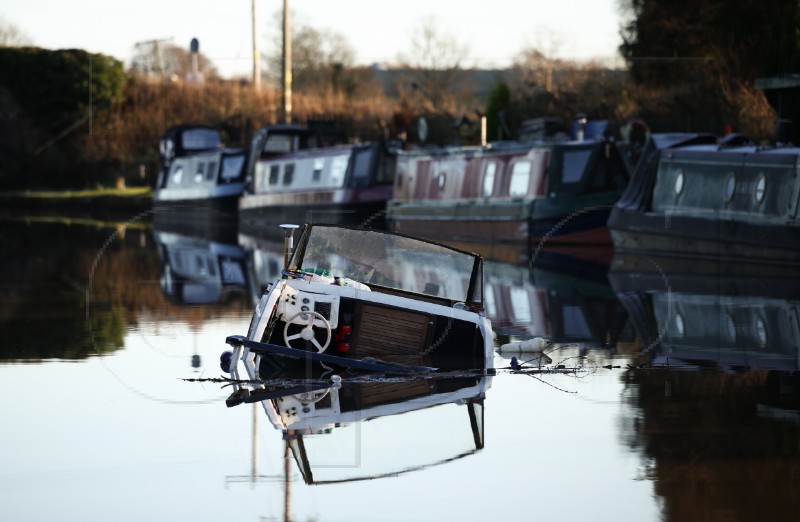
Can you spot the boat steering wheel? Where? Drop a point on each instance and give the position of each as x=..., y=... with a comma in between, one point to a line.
x=307, y=333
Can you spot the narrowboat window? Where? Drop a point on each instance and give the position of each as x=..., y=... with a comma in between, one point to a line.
x=520, y=306
x=232, y=167
x=363, y=163
x=316, y=176
x=730, y=187
x=279, y=143
x=199, y=175
x=491, y=305
x=274, y=171
x=488, y=179
x=440, y=180
x=177, y=260
x=273, y=268
x=231, y=271
x=261, y=177
x=574, y=165
x=212, y=170
x=520, y=179
x=575, y=323
x=288, y=173
x=338, y=168
x=200, y=139
x=761, y=188
x=177, y=174
x=386, y=165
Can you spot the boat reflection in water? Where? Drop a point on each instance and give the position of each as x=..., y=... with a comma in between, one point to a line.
x=710, y=315
x=198, y=271
x=264, y=262
x=368, y=428
x=564, y=306
x=714, y=410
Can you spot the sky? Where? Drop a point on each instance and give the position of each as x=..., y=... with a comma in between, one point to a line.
x=493, y=32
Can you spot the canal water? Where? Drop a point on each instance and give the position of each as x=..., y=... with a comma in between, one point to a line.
x=676, y=397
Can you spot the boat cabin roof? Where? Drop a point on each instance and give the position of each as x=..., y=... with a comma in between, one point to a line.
x=181, y=140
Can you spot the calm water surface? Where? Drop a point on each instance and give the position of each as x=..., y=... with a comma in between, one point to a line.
x=683, y=407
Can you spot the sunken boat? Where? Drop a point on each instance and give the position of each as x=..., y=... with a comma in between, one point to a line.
x=368, y=300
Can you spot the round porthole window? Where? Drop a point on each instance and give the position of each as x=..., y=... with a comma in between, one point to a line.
x=761, y=331
x=679, y=183
x=730, y=187
x=761, y=188
x=679, y=326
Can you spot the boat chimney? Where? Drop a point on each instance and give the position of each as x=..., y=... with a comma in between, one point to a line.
x=580, y=126
x=288, y=243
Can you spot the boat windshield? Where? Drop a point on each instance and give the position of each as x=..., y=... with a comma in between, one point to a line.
x=390, y=260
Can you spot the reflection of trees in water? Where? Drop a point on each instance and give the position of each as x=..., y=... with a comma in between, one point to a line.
x=715, y=447
x=45, y=272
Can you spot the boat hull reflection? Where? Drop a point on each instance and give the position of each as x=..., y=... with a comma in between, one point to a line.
x=710, y=317
x=196, y=270
x=521, y=301
x=369, y=428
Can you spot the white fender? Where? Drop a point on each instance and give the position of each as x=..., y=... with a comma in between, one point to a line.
x=537, y=344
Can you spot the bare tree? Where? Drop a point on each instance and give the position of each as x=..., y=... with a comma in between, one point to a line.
x=435, y=66
x=12, y=36
x=320, y=57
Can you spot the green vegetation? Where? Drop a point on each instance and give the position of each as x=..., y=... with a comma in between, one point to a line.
x=50, y=99
x=86, y=193
x=57, y=88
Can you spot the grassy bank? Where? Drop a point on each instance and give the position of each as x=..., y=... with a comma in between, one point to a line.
x=125, y=200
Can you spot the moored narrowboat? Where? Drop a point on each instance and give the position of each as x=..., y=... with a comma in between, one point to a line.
x=505, y=200
x=344, y=184
x=697, y=197
x=198, y=171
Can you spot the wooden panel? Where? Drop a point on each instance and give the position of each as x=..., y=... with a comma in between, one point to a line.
x=388, y=334
x=373, y=394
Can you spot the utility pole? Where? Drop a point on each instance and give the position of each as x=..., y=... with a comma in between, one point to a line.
x=256, y=54
x=287, y=64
